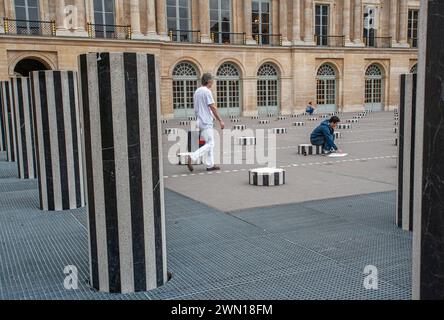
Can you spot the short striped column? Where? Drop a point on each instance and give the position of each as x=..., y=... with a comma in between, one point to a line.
x=264, y=121
x=9, y=122
x=164, y=121
x=240, y=127
x=313, y=119
x=281, y=118
x=246, y=141
x=279, y=130
x=171, y=131
x=338, y=135
x=24, y=128
x=266, y=177
x=309, y=149
x=352, y=120
x=58, y=141
x=324, y=116
x=183, y=159
x=254, y=117
x=235, y=120
x=344, y=126
x=185, y=123
x=124, y=171
x=298, y=124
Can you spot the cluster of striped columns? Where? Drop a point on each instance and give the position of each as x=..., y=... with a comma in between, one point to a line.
x=9, y=122
x=406, y=149
x=124, y=174
x=57, y=138
x=24, y=127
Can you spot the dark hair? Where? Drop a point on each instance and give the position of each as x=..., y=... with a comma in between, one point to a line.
x=206, y=77
x=335, y=119
x=310, y=102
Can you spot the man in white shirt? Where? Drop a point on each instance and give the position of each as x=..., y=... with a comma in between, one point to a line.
x=206, y=111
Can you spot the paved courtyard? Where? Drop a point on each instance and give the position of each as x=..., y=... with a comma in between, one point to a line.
x=309, y=239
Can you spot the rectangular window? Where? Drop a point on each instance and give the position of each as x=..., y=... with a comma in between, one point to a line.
x=261, y=21
x=28, y=14
x=104, y=18
x=220, y=20
x=179, y=20
x=370, y=26
x=413, y=28
x=321, y=24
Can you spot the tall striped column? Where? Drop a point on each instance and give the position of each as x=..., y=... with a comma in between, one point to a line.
x=57, y=135
x=2, y=126
x=124, y=173
x=24, y=127
x=8, y=116
x=406, y=149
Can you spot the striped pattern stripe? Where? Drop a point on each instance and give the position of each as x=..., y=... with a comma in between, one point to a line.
x=24, y=128
x=124, y=171
x=298, y=124
x=264, y=121
x=9, y=121
x=171, y=131
x=235, y=120
x=254, y=117
x=183, y=159
x=338, y=135
x=58, y=140
x=266, y=177
x=185, y=123
x=308, y=149
x=281, y=118
x=352, y=120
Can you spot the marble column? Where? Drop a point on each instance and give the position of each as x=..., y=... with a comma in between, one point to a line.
x=406, y=152
x=9, y=121
x=57, y=140
x=161, y=20
x=81, y=13
x=120, y=116
x=403, y=23
x=308, y=23
x=283, y=22
x=24, y=128
x=248, y=14
x=204, y=19
x=346, y=19
x=297, y=22
x=151, y=30
x=428, y=217
x=135, y=19
x=358, y=16
x=394, y=21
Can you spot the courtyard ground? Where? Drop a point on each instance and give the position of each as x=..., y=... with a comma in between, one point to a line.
x=309, y=239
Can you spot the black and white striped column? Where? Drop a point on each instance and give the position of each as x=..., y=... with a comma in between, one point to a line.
x=9, y=122
x=2, y=126
x=24, y=127
x=124, y=173
x=57, y=139
x=406, y=152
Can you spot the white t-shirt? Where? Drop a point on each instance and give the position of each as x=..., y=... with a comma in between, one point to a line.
x=203, y=98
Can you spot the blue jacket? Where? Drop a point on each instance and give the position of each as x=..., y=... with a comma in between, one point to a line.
x=324, y=135
x=309, y=109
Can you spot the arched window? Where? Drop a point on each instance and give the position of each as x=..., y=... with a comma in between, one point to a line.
x=373, y=87
x=268, y=89
x=185, y=83
x=228, y=89
x=326, y=88
x=414, y=69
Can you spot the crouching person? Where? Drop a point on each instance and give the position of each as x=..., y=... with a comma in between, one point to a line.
x=324, y=135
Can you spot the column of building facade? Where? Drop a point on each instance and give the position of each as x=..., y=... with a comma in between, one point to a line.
x=2, y=14
x=394, y=21
x=346, y=22
x=297, y=22
x=248, y=22
x=161, y=20
x=204, y=16
x=283, y=22
x=151, y=30
x=357, y=35
x=135, y=19
x=80, y=26
x=308, y=23
x=403, y=23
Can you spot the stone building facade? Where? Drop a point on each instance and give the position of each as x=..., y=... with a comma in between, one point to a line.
x=268, y=56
